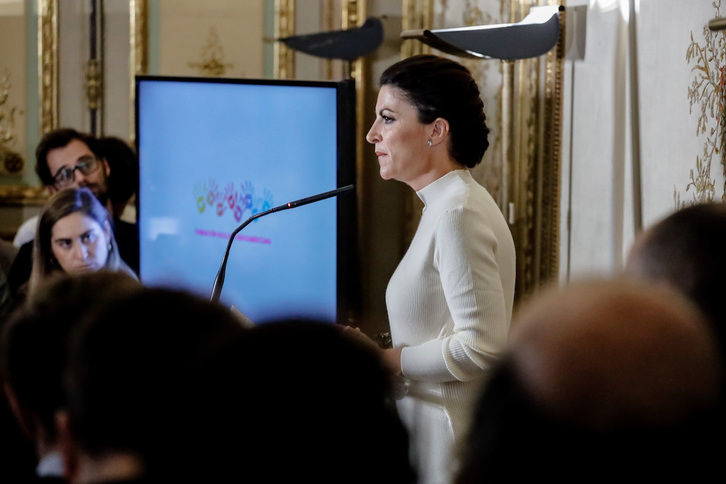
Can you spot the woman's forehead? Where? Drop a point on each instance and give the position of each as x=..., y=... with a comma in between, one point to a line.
x=74, y=224
x=393, y=98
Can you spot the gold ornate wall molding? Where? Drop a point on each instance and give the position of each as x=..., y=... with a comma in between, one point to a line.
x=15, y=198
x=22, y=195
x=354, y=14
x=549, y=194
x=11, y=162
x=417, y=15
x=48, y=64
x=139, y=49
x=139, y=18
x=284, y=62
x=532, y=131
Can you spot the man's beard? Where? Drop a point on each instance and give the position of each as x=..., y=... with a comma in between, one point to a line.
x=100, y=191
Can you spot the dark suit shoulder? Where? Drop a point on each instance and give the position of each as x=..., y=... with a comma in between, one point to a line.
x=19, y=272
x=127, y=237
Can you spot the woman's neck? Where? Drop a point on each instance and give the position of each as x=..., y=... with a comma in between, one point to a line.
x=437, y=170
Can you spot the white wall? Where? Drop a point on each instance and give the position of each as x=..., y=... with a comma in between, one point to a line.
x=597, y=143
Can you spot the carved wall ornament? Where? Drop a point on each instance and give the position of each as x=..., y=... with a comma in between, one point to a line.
x=706, y=97
x=7, y=113
x=93, y=84
x=11, y=162
x=211, y=62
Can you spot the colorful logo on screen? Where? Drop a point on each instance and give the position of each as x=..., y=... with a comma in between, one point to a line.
x=240, y=201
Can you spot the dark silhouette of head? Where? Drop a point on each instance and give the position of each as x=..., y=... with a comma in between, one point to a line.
x=322, y=403
x=138, y=380
x=685, y=251
x=182, y=384
x=33, y=347
x=124, y=165
x=602, y=379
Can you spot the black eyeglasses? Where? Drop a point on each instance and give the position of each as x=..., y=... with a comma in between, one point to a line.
x=65, y=176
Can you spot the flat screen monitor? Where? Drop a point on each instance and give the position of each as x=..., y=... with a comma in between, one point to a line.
x=215, y=152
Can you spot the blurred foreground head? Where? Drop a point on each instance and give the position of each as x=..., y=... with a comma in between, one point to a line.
x=33, y=346
x=601, y=379
x=686, y=251
x=140, y=397
x=179, y=388
x=315, y=405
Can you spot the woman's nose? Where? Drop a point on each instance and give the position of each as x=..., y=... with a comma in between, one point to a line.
x=81, y=251
x=372, y=137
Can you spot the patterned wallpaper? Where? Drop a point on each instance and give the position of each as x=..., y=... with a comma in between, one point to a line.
x=706, y=55
x=681, y=74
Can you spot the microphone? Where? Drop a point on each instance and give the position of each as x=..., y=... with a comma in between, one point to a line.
x=219, y=280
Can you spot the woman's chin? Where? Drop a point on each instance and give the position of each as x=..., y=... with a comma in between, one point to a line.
x=84, y=269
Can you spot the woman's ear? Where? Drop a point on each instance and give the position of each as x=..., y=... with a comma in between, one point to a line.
x=106, y=167
x=107, y=230
x=439, y=131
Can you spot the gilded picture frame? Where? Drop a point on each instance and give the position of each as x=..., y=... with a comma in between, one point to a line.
x=36, y=111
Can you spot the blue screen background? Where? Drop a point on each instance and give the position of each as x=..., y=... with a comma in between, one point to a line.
x=211, y=155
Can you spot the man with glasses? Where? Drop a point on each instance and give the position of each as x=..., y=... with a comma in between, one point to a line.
x=66, y=158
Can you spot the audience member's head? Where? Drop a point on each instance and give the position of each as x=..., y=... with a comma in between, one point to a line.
x=174, y=386
x=124, y=165
x=313, y=397
x=74, y=235
x=685, y=250
x=66, y=158
x=140, y=389
x=602, y=379
x=33, y=347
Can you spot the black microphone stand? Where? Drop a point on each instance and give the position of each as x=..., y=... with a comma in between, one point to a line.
x=219, y=280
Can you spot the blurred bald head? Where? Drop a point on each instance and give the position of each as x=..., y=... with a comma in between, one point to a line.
x=600, y=377
x=606, y=355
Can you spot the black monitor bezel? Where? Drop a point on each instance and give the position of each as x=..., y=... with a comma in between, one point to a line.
x=348, y=299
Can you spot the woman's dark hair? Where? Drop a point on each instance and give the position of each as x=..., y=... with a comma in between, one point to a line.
x=441, y=88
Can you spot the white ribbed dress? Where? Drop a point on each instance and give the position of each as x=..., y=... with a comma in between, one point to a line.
x=449, y=306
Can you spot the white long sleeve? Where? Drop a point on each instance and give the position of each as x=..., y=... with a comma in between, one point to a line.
x=450, y=299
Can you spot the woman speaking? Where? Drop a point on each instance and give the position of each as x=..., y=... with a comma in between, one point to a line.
x=450, y=299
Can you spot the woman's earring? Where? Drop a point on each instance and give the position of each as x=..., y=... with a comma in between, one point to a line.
x=429, y=143
x=110, y=247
